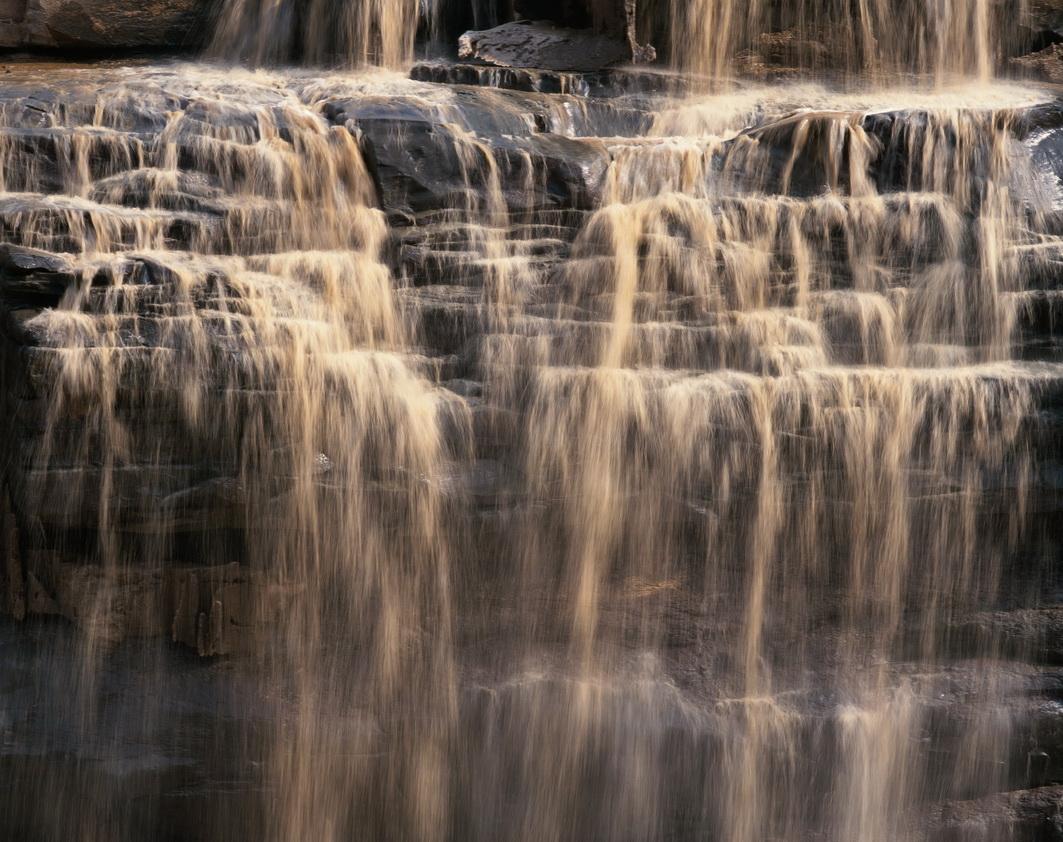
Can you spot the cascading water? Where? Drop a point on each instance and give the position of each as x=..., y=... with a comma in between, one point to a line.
x=603, y=465
x=867, y=38
x=352, y=32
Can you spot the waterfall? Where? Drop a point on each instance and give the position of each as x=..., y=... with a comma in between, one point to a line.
x=532, y=457
x=871, y=37
x=349, y=32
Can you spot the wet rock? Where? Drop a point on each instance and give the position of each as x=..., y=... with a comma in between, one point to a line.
x=604, y=84
x=1034, y=815
x=1040, y=319
x=543, y=45
x=146, y=187
x=217, y=502
x=69, y=497
x=485, y=483
x=447, y=322
x=1045, y=15
x=792, y=48
x=1030, y=634
x=417, y=171
x=1045, y=65
x=436, y=155
x=224, y=610
x=30, y=278
x=102, y=24
x=464, y=388
x=495, y=430
x=896, y=162
x=511, y=78
x=13, y=594
x=19, y=260
x=111, y=606
x=423, y=163
x=39, y=603
x=783, y=55
x=568, y=172
x=221, y=610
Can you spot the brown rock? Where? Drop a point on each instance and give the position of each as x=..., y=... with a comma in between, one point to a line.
x=39, y=603
x=1045, y=14
x=543, y=45
x=224, y=610
x=571, y=35
x=1034, y=814
x=1046, y=64
x=12, y=561
x=100, y=24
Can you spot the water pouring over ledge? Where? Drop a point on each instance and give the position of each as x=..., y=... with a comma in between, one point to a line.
x=869, y=40
x=534, y=466
x=321, y=31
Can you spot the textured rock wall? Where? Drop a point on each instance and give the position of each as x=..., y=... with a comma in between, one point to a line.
x=179, y=24
x=101, y=24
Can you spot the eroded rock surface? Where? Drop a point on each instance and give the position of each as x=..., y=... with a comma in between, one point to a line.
x=543, y=45
x=101, y=25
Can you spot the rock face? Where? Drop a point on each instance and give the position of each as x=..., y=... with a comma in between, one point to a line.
x=100, y=25
x=572, y=35
x=1046, y=64
x=543, y=45
x=1045, y=15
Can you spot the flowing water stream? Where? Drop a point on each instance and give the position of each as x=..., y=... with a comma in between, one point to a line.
x=678, y=509
x=869, y=38
x=319, y=31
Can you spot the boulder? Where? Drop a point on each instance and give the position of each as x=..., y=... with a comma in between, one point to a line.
x=543, y=45
x=422, y=162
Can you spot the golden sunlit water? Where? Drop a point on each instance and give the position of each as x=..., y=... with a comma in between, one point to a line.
x=662, y=514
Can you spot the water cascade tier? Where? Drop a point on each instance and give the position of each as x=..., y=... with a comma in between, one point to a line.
x=352, y=31
x=473, y=453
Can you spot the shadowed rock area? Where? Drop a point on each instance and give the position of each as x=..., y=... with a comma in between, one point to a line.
x=101, y=24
